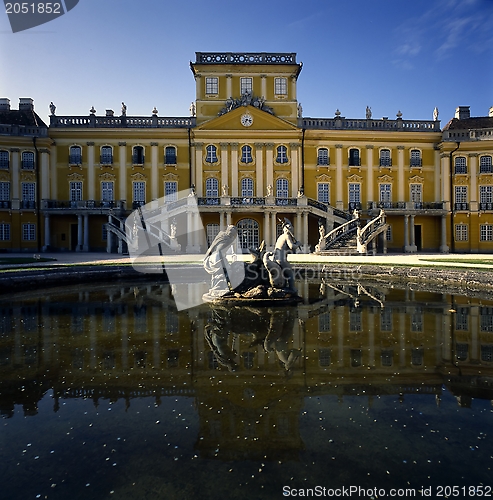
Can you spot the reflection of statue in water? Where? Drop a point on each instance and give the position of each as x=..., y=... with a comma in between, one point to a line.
x=217, y=265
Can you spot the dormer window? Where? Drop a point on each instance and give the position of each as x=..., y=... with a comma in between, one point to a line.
x=138, y=155
x=75, y=155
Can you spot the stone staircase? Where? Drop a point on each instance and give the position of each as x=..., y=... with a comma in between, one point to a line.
x=344, y=246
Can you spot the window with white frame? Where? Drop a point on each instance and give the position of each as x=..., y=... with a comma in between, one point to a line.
x=460, y=197
x=29, y=232
x=386, y=195
x=247, y=187
x=460, y=165
x=28, y=194
x=486, y=197
x=139, y=192
x=211, y=188
x=282, y=154
x=416, y=158
x=323, y=156
x=248, y=233
x=323, y=192
x=4, y=159
x=385, y=160
x=211, y=85
x=354, y=194
x=107, y=191
x=170, y=191
x=138, y=155
x=28, y=160
x=416, y=192
x=486, y=232
x=212, y=232
x=246, y=85
x=485, y=165
x=170, y=155
x=280, y=86
x=211, y=154
x=76, y=191
x=4, y=231
x=246, y=154
x=461, y=232
x=75, y=155
x=106, y=155
x=282, y=188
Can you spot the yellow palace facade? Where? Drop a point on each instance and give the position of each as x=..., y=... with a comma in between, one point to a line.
x=249, y=157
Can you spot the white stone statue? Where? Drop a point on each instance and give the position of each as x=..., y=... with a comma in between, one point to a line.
x=269, y=190
x=368, y=113
x=124, y=109
x=225, y=190
x=435, y=114
x=300, y=111
x=52, y=108
x=192, y=109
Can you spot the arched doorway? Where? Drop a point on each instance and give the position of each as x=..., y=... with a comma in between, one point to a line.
x=248, y=234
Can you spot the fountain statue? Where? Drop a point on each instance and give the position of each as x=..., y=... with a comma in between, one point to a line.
x=267, y=278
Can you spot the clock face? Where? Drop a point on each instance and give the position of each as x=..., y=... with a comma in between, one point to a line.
x=246, y=120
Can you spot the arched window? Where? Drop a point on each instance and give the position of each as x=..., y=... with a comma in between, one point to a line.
x=460, y=165
x=211, y=188
x=212, y=232
x=416, y=158
x=247, y=187
x=485, y=165
x=248, y=233
x=282, y=188
x=354, y=160
x=106, y=155
x=323, y=156
x=138, y=155
x=282, y=154
x=75, y=155
x=246, y=154
x=4, y=159
x=28, y=159
x=385, y=160
x=211, y=156
x=170, y=155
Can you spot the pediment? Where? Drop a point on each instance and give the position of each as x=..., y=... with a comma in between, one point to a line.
x=261, y=121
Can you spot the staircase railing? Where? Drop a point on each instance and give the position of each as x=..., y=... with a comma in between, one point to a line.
x=343, y=231
x=369, y=232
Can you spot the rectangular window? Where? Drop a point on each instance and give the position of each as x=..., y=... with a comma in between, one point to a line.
x=323, y=192
x=107, y=193
x=417, y=320
x=139, y=192
x=460, y=198
x=28, y=195
x=416, y=193
x=4, y=191
x=211, y=85
x=4, y=232
x=486, y=232
x=354, y=193
x=461, y=232
x=386, y=320
x=280, y=86
x=462, y=319
x=324, y=322
x=246, y=85
x=415, y=158
x=486, y=197
x=324, y=357
x=282, y=188
x=4, y=159
x=28, y=160
x=170, y=191
x=29, y=232
x=486, y=319
x=355, y=321
x=386, y=195
x=323, y=156
x=76, y=191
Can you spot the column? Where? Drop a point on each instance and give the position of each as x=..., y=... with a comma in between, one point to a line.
x=45, y=174
x=293, y=88
x=91, y=182
x=15, y=156
x=154, y=171
x=298, y=227
x=190, y=230
x=369, y=177
x=412, y=247
x=259, y=170
x=234, y=169
x=269, y=165
x=224, y=166
x=474, y=315
x=273, y=228
x=263, y=85
x=295, y=182
x=445, y=186
x=437, y=175
x=402, y=339
x=86, y=233
x=109, y=236
x=198, y=169
x=123, y=170
x=266, y=235
x=222, y=227
x=121, y=225
x=306, y=246
x=198, y=88
x=80, y=241
x=339, y=193
x=229, y=87
x=443, y=234
x=371, y=338
x=46, y=246
x=228, y=218
x=406, y=233
x=401, y=193
x=341, y=329
x=192, y=166
x=53, y=173
x=473, y=194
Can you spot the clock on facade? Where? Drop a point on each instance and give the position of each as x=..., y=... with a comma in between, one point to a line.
x=246, y=120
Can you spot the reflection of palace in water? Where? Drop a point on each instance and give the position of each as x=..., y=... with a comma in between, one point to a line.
x=248, y=369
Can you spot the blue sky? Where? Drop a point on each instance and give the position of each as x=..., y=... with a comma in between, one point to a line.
x=391, y=55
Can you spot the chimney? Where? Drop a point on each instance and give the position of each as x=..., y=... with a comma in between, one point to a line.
x=463, y=112
x=26, y=104
x=491, y=112
x=4, y=104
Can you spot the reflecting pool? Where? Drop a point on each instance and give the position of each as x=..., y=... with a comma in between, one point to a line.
x=107, y=391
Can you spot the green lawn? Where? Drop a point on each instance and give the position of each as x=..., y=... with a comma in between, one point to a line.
x=488, y=262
